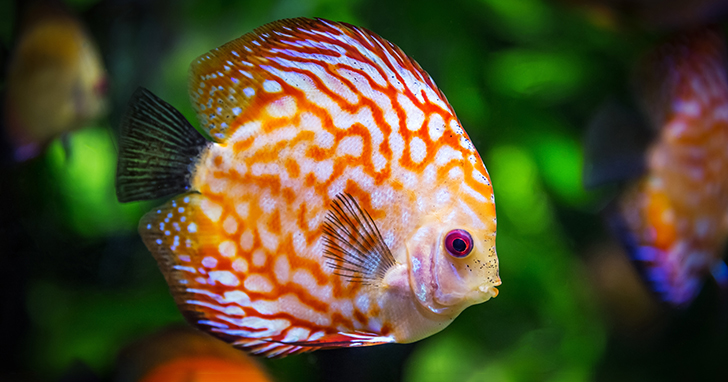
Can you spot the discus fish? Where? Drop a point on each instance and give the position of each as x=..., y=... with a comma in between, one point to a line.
x=672, y=220
x=340, y=202
x=56, y=82
x=183, y=354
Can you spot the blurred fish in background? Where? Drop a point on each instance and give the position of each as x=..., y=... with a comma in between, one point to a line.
x=672, y=220
x=56, y=81
x=184, y=354
x=62, y=218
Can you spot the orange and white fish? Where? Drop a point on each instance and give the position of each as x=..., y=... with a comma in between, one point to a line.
x=673, y=220
x=56, y=81
x=184, y=354
x=339, y=204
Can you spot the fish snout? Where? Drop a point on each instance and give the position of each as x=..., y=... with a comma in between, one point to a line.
x=489, y=288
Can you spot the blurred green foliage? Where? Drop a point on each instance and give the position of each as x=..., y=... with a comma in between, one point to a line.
x=7, y=11
x=75, y=323
x=547, y=76
x=524, y=77
x=85, y=179
x=521, y=19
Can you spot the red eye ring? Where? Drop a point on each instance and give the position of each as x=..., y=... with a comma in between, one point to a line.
x=459, y=243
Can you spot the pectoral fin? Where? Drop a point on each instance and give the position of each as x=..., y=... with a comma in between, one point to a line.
x=354, y=248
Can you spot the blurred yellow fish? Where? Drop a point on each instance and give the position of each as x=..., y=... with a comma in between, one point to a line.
x=56, y=81
x=340, y=203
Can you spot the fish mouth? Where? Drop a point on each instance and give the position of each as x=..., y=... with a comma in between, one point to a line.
x=462, y=300
x=490, y=290
x=481, y=294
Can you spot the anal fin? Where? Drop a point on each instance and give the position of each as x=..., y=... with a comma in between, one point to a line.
x=338, y=340
x=180, y=237
x=273, y=348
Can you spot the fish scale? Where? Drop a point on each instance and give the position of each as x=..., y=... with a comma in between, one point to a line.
x=306, y=114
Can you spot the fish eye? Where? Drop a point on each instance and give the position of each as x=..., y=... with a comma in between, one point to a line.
x=459, y=243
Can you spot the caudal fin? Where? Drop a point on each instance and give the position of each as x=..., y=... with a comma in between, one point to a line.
x=157, y=150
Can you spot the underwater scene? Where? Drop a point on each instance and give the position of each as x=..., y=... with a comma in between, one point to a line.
x=363, y=190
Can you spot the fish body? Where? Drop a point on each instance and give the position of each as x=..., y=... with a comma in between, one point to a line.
x=340, y=203
x=183, y=354
x=673, y=219
x=56, y=81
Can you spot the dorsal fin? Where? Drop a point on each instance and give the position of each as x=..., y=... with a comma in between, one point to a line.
x=306, y=55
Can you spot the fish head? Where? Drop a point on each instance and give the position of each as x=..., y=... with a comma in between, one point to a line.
x=453, y=264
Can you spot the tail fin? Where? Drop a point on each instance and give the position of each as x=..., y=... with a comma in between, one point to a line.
x=157, y=150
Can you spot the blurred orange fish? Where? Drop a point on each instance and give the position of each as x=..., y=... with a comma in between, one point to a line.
x=56, y=81
x=339, y=204
x=673, y=219
x=185, y=355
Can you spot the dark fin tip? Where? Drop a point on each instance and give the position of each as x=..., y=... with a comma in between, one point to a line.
x=157, y=149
